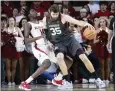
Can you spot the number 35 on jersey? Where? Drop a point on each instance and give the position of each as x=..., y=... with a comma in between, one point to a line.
x=55, y=31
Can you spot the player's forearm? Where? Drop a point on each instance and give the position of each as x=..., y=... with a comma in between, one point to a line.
x=29, y=40
x=75, y=21
x=82, y=23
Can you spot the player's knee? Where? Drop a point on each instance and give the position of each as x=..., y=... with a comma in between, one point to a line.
x=60, y=57
x=47, y=62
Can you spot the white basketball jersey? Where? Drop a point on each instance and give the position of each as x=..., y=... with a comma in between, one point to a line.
x=36, y=31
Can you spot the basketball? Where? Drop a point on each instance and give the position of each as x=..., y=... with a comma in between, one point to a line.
x=89, y=33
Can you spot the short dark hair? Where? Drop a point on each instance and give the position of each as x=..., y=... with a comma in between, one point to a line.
x=65, y=6
x=103, y=2
x=4, y=19
x=54, y=8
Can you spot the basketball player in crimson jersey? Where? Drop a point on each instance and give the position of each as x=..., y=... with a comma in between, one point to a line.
x=34, y=28
x=65, y=43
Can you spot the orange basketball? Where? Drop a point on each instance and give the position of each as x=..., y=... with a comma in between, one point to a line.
x=89, y=33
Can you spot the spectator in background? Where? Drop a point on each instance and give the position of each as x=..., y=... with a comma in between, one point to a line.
x=94, y=60
x=83, y=13
x=112, y=27
x=70, y=8
x=103, y=9
x=89, y=15
x=65, y=10
x=22, y=3
x=84, y=16
x=8, y=8
x=2, y=10
x=15, y=12
x=111, y=16
x=24, y=60
x=22, y=14
x=101, y=40
x=112, y=8
x=46, y=4
x=3, y=25
x=96, y=22
x=36, y=5
x=94, y=7
x=60, y=7
x=10, y=52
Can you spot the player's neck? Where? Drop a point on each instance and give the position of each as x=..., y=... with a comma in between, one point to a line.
x=34, y=20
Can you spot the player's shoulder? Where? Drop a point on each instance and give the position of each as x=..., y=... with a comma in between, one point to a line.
x=29, y=23
x=41, y=22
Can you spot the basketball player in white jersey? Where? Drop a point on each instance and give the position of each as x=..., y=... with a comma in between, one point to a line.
x=39, y=49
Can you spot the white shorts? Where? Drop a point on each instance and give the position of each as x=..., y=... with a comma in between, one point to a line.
x=40, y=52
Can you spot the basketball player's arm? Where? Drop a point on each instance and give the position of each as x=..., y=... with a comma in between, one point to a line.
x=67, y=18
x=27, y=29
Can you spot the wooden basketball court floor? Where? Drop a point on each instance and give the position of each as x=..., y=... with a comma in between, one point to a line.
x=77, y=87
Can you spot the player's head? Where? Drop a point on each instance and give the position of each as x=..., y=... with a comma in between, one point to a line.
x=32, y=13
x=54, y=11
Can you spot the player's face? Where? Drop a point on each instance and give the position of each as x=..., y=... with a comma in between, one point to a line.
x=33, y=13
x=54, y=15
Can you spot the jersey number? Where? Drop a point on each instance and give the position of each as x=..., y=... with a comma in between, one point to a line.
x=55, y=31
